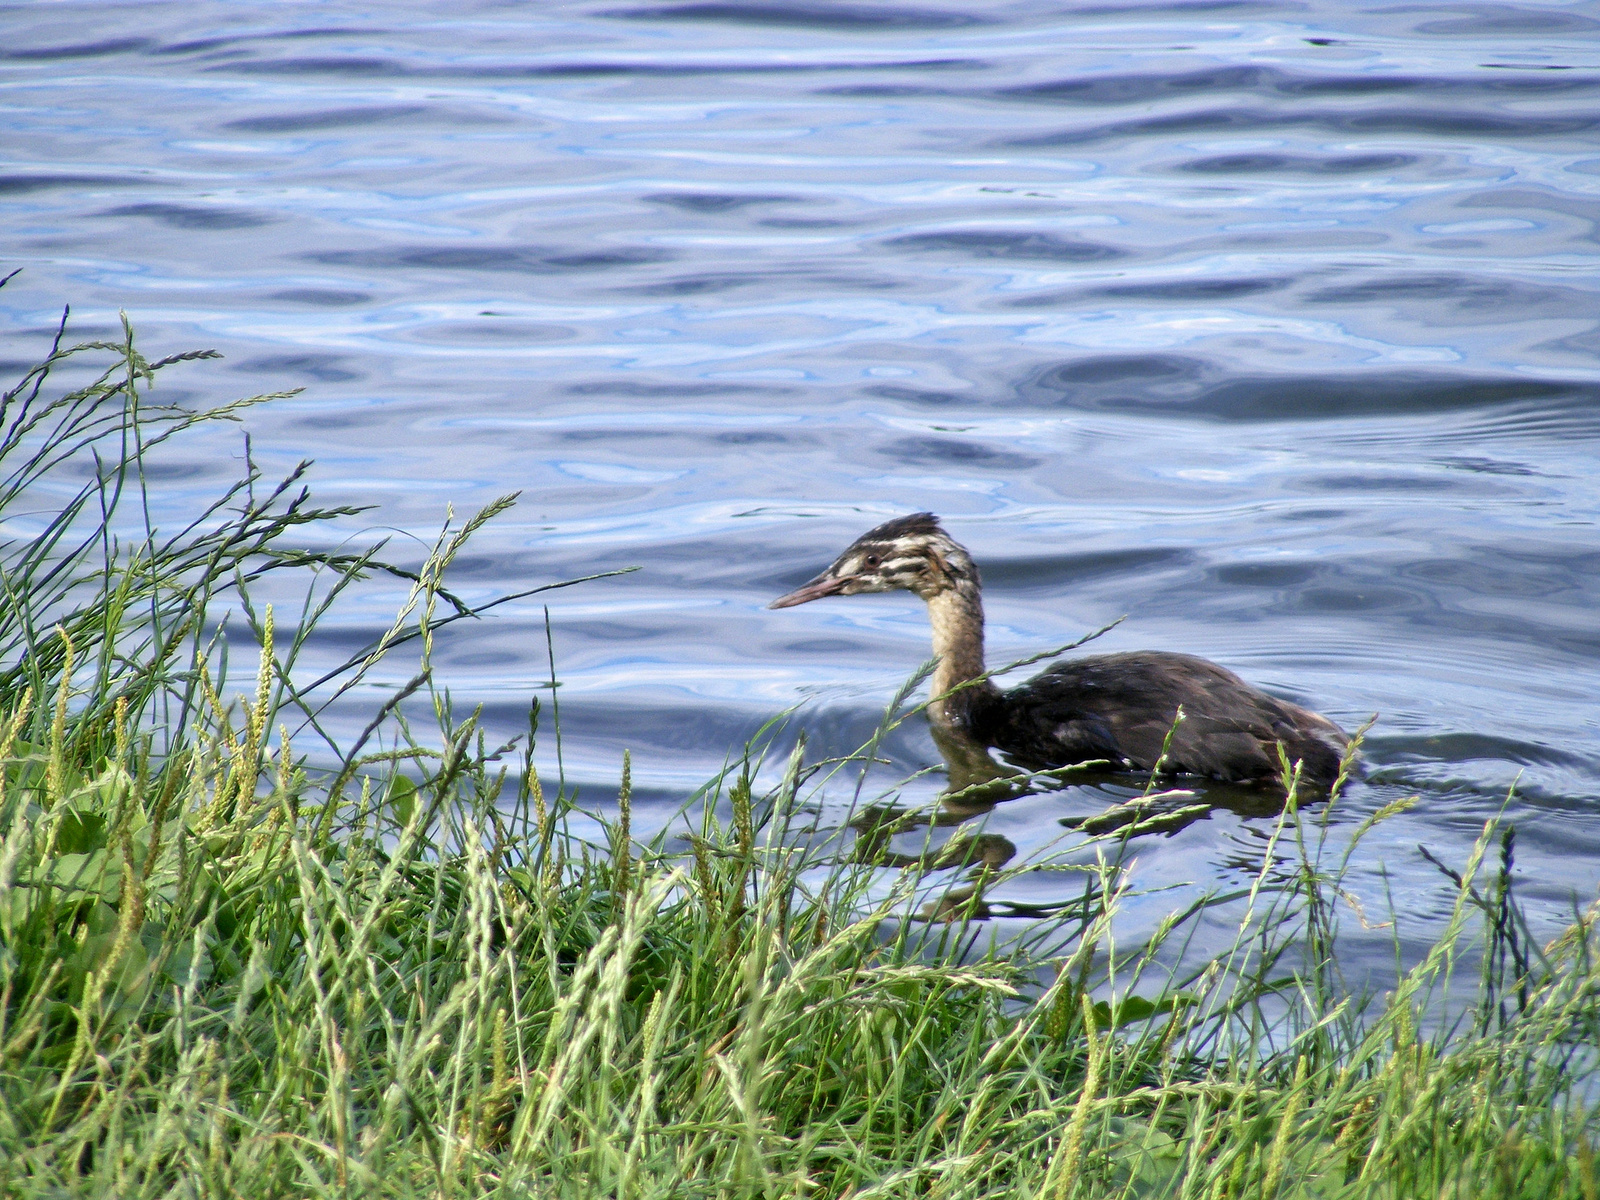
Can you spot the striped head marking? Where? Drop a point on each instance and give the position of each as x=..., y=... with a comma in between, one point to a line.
x=911, y=554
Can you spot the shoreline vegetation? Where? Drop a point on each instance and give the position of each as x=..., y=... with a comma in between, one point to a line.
x=236, y=961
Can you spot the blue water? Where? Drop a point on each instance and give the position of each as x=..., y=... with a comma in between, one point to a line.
x=1272, y=326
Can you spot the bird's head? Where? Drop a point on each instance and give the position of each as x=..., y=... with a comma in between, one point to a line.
x=910, y=554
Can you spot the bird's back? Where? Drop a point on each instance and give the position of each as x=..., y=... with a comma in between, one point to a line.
x=1122, y=706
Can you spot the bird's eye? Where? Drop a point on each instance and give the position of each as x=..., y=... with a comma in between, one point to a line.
x=872, y=560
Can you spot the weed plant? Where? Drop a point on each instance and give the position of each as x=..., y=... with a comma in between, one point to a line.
x=232, y=968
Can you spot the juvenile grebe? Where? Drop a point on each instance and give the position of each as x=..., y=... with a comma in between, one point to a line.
x=1118, y=707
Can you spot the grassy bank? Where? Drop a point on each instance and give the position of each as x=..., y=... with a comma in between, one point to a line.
x=240, y=956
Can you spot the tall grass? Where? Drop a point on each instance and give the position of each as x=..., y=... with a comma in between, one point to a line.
x=230, y=968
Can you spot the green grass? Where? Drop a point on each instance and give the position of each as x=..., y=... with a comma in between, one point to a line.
x=234, y=967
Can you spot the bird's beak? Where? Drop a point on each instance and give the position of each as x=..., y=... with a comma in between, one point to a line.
x=822, y=585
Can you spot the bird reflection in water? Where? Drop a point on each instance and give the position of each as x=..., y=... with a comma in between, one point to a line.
x=977, y=783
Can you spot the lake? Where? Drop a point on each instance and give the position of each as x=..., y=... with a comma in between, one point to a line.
x=1272, y=327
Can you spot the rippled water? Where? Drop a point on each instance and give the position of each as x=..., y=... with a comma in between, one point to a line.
x=1270, y=325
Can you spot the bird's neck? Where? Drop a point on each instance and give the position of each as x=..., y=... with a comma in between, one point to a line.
x=956, y=615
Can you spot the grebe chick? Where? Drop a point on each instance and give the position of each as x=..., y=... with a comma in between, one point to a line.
x=1118, y=707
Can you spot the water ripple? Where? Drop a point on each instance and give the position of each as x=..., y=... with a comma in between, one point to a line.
x=1270, y=326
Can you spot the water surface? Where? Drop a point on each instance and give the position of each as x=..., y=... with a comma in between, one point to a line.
x=1272, y=326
